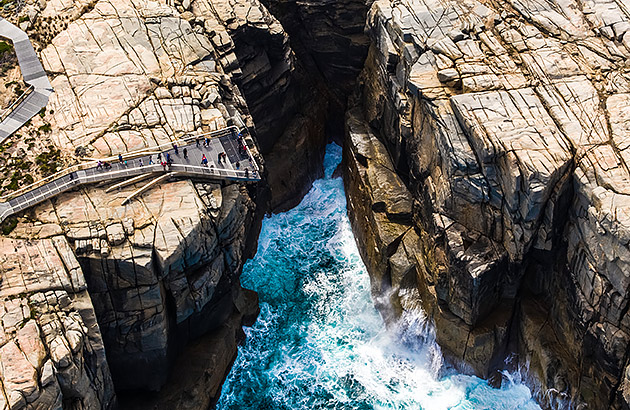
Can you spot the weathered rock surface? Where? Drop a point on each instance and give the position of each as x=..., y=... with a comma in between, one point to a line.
x=330, y=36
x=52, y=352
x=154, y=281
x=286, y=105
x=487, y=173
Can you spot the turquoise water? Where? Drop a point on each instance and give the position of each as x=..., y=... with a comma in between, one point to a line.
x=319, y=343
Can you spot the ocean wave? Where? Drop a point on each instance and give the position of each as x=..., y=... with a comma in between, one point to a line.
x=319, y=343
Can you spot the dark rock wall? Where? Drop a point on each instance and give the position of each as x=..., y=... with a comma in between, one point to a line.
x=329, y=36
x=288, y=106
x=511, y=159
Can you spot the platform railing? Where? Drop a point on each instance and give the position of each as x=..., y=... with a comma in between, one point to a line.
x=16, y=102
x=130, y=155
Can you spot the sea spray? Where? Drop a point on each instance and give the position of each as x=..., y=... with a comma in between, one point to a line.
x=319, y=343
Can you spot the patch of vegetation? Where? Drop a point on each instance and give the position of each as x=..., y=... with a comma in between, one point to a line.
x=49, y=161
x=45, y=128
x=8, y=225
x=4, y=47
x=15, y=181
x=23, y=19
x=8, y=59
x=24, y=165
x=42, y=112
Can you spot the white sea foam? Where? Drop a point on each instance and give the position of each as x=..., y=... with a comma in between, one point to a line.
x=319, y=343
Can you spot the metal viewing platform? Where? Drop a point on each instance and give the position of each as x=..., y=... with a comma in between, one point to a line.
x=238, y=165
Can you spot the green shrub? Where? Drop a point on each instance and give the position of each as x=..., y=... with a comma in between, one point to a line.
x=15, y=181
x=9, y=225
x=24, y=165
x=4, y=47
x=49, y=161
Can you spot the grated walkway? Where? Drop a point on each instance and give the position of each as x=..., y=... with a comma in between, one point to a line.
x=36, y=97
x=239, y=166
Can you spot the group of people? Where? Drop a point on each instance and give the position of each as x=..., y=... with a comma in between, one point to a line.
x=206, y=141
x=103, y=165
x=242, y=148
x=165, y=159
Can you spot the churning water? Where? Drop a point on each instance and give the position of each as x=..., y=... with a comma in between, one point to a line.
x=319, y=343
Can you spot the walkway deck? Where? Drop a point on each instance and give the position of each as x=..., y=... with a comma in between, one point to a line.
x=36, y=97
x=224, y=140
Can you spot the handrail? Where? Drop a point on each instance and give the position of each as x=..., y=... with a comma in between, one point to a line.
x=16, y=102
x=44, y=181
x=186, y=138
x=66, y=182
x=33, y=74
x=156, y=168
x=130, y=155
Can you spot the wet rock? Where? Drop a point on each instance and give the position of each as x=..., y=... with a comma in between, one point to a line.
x=510, y=136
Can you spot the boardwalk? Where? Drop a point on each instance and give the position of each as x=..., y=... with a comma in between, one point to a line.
x=238, y=166
x=36, y=97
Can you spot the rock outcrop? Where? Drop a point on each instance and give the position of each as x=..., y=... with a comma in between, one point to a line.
x=329, y=37
x=99, y=296
x=286, y=105
x=51, y=353
x=487, y=179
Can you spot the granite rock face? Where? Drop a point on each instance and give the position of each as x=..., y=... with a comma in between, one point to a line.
x=51, y=353
x=118, y=294
x=487, y=178
x=286, y=105
x=329, y=35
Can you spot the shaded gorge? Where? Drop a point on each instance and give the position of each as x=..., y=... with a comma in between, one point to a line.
x=319, y=342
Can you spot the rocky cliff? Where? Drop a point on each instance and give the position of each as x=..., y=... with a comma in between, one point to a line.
x=485, y=169
x=102, y=299
x=487, y=180
x=287, y=105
